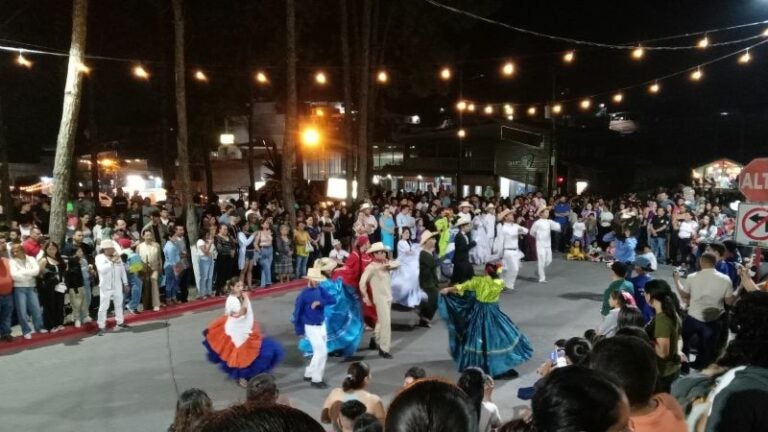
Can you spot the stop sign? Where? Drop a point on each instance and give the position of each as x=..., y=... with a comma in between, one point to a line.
x=753, y=180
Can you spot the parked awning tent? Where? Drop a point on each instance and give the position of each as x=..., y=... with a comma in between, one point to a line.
x=719, y=174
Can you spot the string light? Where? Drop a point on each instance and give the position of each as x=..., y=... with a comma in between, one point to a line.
x=509, y=110
x=508, y=69
x=319, y=112
x=320, y=78
x=22, y=61
x=445, y=74
x=461, y=106
x=471, y=107
x=140, y=72
x=654, y=88
x=461, y=133
x=703, y=42
x=585, y=104
x=382, y=77
x=745, y=58
x=569, y=56
x=638, y=53
x=697, y=74
x=765, y=32
x=618, y=97
x=200, y=76
x=557, y=109
x=532, y=111
x=261, y=78
x=82, y=68
x=488, y=109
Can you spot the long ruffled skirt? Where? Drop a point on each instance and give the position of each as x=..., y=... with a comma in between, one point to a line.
x=258, y=354
x=481, y=335
x=343, y=322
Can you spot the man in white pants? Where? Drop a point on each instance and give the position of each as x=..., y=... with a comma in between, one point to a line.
x=509, y=247
x=309, y=321
x=112, y=283
x=541, y=230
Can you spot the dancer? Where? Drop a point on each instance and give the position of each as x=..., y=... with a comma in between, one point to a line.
x=405, y=280
x=462, y=268
x=235, y=342
x=509, y=248
x=112, y=283
x=377, y=274
x=343, y=319
x=428, y=266
x=309, y=320
x=465, y=212
x=480, y=334
x=541, y=230
x=350, y=274
x=483, y=232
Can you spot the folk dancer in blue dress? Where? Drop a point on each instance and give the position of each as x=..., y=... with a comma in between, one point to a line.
x=480, y=334
x=343, y=320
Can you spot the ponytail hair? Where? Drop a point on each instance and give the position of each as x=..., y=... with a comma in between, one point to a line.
x=356, y=375
x=660, y=291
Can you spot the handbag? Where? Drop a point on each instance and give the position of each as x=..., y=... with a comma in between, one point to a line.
x=308, y=247
x=60, y=287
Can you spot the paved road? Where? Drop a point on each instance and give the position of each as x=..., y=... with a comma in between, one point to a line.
x=128, y=381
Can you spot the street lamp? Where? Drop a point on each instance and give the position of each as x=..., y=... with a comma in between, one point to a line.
x=227, y=139
x=310, y=137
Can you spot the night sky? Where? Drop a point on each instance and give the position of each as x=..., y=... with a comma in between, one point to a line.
x=231, y=39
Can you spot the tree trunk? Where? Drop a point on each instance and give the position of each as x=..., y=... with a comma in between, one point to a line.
x=291, y=121
x=365, y=79
x=5, y=177
x=349, y=148
x=93, y=141
x=65, y=143
x=182, y=137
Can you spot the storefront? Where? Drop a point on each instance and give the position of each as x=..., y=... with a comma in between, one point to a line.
x=719, y=174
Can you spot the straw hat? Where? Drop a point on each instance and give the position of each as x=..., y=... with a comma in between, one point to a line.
x=335, y=242
x=315, y=275
x=465, y=204
x=325, y=264
x=426, y=235
x=538, y=212
x=504, y=214
x=365, y=206
x=461, y=222
x=377, y=247
x=490, y=206
x=107, y=244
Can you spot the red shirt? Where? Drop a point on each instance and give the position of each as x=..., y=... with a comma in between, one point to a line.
x=668, y=417
x=6, y=282
x=31, y=247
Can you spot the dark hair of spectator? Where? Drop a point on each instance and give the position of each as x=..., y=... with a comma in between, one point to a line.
x=718, y=247
x=636, y=331
x=262, y=390
x=357, y=372
x=192, y=406
x=431, y=405
x=577, y=350
x=416, y=373
x=630, y=316
x=352, y=409
x=367, y=423
x=472, y=382
x=750, y=324
x=660, y=291
x=252, y=418
x=629, y=361
x=619, y=268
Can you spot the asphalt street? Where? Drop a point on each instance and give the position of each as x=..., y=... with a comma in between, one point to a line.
x=129, y=380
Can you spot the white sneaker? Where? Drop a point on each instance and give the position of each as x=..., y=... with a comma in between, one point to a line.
x=156, y=309
x=78, y=324
x=55, y=329
x=87, y=320
x=42, y=331
x=542, y=281
x=28, y=336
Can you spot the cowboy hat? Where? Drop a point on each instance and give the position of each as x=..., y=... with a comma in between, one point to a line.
x=315, y=275
x=107, y=244
x=426, y=235
x=490, y=206
x=377, y=247
x=466, y=204
x=504, y=214
x=538, y=212
x=335, y=242
x=365, y=206
x=325, y=264
x=461, y=222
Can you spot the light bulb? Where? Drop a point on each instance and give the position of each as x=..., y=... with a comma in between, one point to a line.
x=703, y=42
x=382, y=77
x=618, y=97
x=697, y=75
x=745, y=58
x=261, y=78
x=557, y=109
x=585, y=104
x=200, y=76
x=461, y=106
x=445, y=74
x=320, y=78
x=569, y=56
x=22, y=61
x=488, y=109
x=82, y=68
x=532, y=111
x=654, y=88
x=509, y=110
x=638, y=53
x=461, y=133
x=140, y=72
x=508, y=69
x=471, y=107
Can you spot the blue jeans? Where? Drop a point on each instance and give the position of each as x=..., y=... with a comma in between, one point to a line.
x=659, y=247
x=27, y=304
x=171, y=284
x=205, y=267
x=136, y=284
x=301, y=266
x=265, y=261
x=87, y=286
x=6, y=309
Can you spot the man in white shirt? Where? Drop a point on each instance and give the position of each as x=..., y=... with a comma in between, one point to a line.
x=541, y=230
x=338, y=254
x=578, y=232
x=404, y=219
x=510, y=253
x=685, y=232
x=112, y=283
x=707, y=293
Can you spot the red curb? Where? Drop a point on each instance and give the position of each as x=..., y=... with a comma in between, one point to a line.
x=71, y=332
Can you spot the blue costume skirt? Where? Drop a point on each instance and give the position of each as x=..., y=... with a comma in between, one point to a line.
x=343, y=321
x=257, y=355
x=481, y=335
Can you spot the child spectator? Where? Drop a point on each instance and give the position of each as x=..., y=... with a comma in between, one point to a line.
x=576, y=253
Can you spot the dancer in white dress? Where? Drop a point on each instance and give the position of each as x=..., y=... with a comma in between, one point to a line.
x=405, y=280
x=483, y=233
x=541, y=230
x=465, y=212
x=509, y=249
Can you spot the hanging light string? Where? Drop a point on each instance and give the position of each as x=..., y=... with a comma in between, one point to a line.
x=625, y=46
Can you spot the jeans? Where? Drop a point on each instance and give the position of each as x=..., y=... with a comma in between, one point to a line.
x=87, y=286
x=136, y=283
x=265, y=261
x=301, y=266
x=27, y=304
x=6, y=309
x=205, y=267
x=171, y=284
x=658, y=246
x=708, y=340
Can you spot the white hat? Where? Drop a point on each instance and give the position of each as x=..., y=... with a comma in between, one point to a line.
x=466, y=204
x=504, y=214
x=335, y=242
x=461, y=222
x=490, y=206
x=325, y=264
x=377, y=247
x=107, y=244
x=365, y=206
x=426, y=235
x=315, y=275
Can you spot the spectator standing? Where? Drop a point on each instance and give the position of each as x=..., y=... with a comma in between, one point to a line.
x=658, y=229
x=173, y=268
x=224, y=268
x=24, y=271
x=32, y=245
x=205, y=260
x=151, y=255
x=112, y=283
x=6, y=297
x=302, y=244
x=388, y=228
x=264, y=241
x=75, y=284
x=338, y=253
x=179, y=239
x=247, y=254
x=53, y=287
x=562, y=211
x=284, y=255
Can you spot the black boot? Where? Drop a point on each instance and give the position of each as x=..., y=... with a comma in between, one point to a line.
x=385, y=355
x=373, y=345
